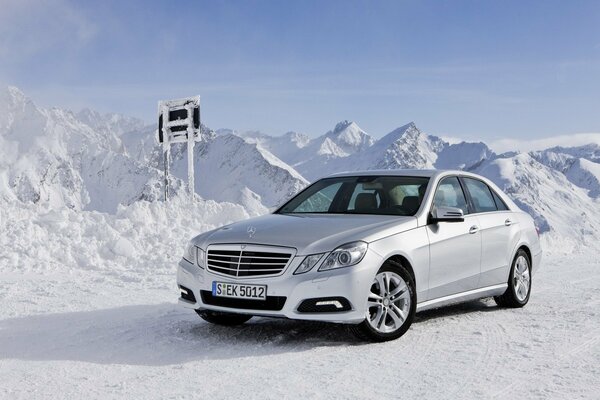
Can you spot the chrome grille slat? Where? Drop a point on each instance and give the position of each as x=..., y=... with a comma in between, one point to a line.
x=226, y=271
x=257, y=263
x=267, y=258
x=256, y=260
x=225, y=268
x=256, y=270
x=266, y=266
x=221, y=261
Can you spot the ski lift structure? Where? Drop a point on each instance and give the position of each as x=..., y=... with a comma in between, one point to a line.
x=179, y=122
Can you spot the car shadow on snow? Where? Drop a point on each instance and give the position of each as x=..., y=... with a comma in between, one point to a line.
x=158, y=334
x=164, y=334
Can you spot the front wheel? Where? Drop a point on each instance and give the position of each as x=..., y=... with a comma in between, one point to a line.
x=519, y=283
x=223, y=318
x=391, y=305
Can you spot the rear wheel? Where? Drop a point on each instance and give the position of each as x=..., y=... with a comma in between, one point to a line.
x=223, y=318
x=519, y=283
x=391, y=305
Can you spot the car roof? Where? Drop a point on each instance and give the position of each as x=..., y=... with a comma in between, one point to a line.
x=428, y=173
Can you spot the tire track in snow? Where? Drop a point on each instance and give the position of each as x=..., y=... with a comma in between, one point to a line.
x=580, y=348
x=564, y=365
x=491, y=333
x=517, y=383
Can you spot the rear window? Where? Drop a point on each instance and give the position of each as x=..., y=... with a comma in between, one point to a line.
x=500, y=204
x=481, y=195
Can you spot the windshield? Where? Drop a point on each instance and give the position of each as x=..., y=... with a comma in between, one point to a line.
x=384, y=195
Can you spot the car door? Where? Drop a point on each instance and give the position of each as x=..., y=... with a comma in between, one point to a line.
x=499, y=231
x=454, y=247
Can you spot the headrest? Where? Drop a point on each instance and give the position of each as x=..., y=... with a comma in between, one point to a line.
x=411, y=204
x=365, y=201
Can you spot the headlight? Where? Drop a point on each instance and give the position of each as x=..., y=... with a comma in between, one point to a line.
x=190, y=254
x=345, y=256
x=308, y=263
x=201, y=257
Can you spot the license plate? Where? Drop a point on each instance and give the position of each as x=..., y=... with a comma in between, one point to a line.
x=239, y=291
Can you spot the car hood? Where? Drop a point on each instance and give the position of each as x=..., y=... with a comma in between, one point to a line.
x=308, y=233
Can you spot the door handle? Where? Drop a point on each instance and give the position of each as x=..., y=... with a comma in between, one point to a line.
x=473, y=229
x=508, y=222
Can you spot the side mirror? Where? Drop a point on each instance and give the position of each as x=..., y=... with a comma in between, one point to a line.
x=446, y=214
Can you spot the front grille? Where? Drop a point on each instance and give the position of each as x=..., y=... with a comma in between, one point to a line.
x=244, y=263
x=272, y=303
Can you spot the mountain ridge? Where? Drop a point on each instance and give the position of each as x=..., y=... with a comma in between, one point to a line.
x=54, y=158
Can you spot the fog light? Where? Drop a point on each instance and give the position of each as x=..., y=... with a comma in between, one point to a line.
x=335, y=303
x=325, y=305
x=187, y=294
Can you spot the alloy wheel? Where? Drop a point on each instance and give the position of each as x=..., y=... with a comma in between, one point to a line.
x=521, y=278
x=389, y=302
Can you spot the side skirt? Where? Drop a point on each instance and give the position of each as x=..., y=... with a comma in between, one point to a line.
x=474, y=294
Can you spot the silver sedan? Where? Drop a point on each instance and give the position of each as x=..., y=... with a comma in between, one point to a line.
x=369, y=249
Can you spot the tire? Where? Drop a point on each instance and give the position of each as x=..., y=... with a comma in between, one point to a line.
x=519, y=280
x=223, y=318
x=398, y=310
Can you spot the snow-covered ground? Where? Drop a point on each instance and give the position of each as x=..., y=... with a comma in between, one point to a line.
x=88, y=254
x=89, y=311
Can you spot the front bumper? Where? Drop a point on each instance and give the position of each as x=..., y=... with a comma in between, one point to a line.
x=352, y=283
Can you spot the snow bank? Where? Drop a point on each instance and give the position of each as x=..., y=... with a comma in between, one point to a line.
x=144, y=236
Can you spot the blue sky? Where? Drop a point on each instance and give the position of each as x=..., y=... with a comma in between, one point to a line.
x=472, y=69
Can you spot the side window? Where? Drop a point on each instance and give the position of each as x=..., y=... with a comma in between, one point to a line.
x=450, y=194
x=500, y=204
x=481, y=195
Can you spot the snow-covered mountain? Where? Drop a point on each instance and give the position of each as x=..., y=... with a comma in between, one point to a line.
x=307, y=155
x=576, y=163
x=51, y=157
x=346, y=137
x=287, y=147
x=463, y=155
x=228, y=168
x=109, y=123
x=547, y=194
x=585, y=174
x=558, y=186
x=404, y=147
x=96, y=162
x=589, y=152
